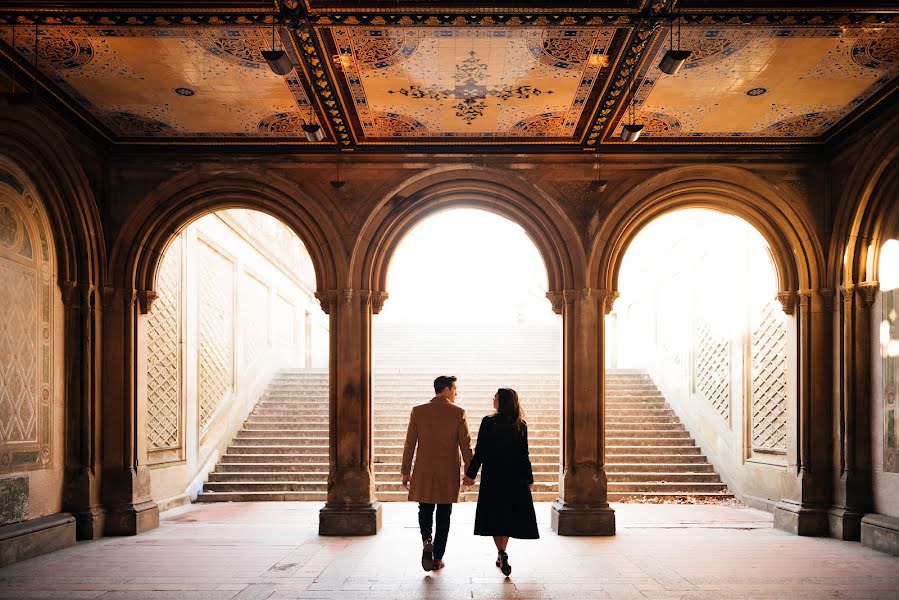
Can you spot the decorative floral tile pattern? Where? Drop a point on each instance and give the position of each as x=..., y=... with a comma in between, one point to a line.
x=813, y=78
x=138, y=81
x=425, y=82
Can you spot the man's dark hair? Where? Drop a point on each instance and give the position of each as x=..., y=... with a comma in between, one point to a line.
x=443, y=382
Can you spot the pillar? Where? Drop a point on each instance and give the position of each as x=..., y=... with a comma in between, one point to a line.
x=351, y=508
x=853, y=486
x=126, y=479
x=582, y=507
x=804, y=510
x=81, y=351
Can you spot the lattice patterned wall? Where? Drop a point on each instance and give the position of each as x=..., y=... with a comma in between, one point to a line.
x=164, y=398
x=768, y=381
x=712, y=369
x=26, y=330
x=215, y=330
x=254, y=318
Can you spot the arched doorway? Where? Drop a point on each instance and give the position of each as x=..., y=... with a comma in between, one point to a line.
x=235, y=355
x=467, y=298
x=711, y=352
x=32, y=367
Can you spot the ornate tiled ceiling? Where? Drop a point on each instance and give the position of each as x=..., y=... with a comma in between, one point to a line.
x=471, y=83
x=765, y=82
x=428, y=74
x=172, y=82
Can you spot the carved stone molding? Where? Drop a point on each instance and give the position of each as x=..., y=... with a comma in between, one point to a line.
x=787, y=301
x=327, y=299
x=608, y=300
x=145, y=300
x=347, y=296
x=377, y=301
x=78, y=295
x=557, y=300
x=867, y=292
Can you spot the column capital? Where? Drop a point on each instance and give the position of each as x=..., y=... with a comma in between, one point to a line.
x=787, y=301
x=145, y=300
x=557, y=300
x=864, y=292
x=77, y=295
x=377, y=301
x=327, y=299
x=605, y=298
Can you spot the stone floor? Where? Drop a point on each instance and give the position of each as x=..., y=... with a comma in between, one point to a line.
x=271, y=550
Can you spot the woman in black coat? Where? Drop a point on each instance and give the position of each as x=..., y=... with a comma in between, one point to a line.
x=505, y=506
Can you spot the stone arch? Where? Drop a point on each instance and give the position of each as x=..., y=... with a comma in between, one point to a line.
x=29, y=311
x=140, y=246
x=466, y=187
x=57, y=176
x=795, y=250
x=59, y=181
x=869, y=211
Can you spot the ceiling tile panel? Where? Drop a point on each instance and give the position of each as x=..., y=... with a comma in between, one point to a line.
x=172, y=82
x=751, y=82
x=428, y=83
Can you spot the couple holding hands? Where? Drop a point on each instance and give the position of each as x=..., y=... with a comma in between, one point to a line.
x=437, y=434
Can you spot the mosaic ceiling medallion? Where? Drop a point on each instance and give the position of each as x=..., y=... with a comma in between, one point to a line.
x=426, y=83
x=766, y=82
x=173, y=82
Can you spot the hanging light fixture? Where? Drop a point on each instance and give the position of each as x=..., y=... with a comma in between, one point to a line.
x=277, y=60
x=312, y=130
x=337, y=183
x=631, y=132
x=673, y=59
x=599, y=184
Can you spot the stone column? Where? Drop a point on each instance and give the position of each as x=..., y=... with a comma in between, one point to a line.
x=853, y=486
x=126, y=479
x=582, y=507
x=803, y=511
x=81, y=352
x=352, y=508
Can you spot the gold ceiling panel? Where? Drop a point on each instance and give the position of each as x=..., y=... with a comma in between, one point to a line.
x=443, y=84
x=172, y=82
x=766, y=82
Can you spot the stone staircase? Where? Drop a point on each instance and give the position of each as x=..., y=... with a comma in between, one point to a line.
x=281, y=453
x=396, y=394
x=650, y=456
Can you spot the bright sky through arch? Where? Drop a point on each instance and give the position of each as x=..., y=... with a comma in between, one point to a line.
x=466, y=266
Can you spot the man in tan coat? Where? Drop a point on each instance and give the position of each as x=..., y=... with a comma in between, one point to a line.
x=439, y=430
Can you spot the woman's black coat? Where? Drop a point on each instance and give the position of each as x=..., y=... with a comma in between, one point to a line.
x=505, y=505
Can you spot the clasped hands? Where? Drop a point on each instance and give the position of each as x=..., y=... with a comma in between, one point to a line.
x=466, y=480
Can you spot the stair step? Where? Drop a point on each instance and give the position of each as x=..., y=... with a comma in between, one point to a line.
x=262, y=496
x=273, y=467
x=678, y=487
x=665, y=477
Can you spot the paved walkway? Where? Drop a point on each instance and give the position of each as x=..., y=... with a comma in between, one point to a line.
x=256, y=551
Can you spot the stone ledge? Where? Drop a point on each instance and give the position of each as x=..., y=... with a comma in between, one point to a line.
x=35, y=537
x=881, y=533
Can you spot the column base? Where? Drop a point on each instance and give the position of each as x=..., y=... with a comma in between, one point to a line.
x=579, y=519
x=350, y=519
x=797, y=519
x=132, y=519
x=845, y=524
x=881, y=533
x=90, y=523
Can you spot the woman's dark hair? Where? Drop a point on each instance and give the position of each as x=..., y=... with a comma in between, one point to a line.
x=508, y=411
